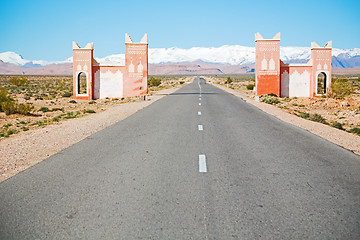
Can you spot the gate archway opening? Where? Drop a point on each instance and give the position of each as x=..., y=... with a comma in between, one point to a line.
x=321, y=83
x=82, y=83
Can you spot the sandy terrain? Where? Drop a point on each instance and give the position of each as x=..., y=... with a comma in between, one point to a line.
x=25, y=149
x=339, y=137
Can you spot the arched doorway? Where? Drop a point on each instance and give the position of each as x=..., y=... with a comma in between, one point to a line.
x=321, y=83
x=82, y=83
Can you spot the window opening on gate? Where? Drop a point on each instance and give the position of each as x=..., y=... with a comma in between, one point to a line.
x=82, y=83
x=321, y=83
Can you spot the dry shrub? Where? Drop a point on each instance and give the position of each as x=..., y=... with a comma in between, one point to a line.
x=250, y=86
x=270, y=99
x=154, y=82
x=19, y=81
x=317, y=118
x=10, y=106
x=341, y=88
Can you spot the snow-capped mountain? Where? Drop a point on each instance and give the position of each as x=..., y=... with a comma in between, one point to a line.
x=14, y=58
x=227, y=54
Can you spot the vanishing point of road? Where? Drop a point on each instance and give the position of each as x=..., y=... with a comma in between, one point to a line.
x=197, y=164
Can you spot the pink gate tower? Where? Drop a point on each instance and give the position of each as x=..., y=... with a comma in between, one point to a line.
x=93, y=80
x=291, y=80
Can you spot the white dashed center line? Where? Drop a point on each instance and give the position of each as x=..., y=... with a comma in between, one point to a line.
x=202, y=158
x=202, y=163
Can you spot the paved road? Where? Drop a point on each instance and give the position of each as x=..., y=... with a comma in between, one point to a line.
x=243, y=174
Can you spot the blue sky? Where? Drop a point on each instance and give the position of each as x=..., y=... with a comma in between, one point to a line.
x=44, y=30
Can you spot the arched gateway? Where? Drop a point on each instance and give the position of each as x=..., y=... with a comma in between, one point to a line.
x=93, y=80
x=291, y=80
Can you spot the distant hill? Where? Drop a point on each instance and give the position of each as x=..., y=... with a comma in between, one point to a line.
x=197, y=60
x=154, y=69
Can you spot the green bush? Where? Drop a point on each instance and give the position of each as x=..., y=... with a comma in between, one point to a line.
x=8, y=107
x=6, y=132
x=317, y=118
x=269, y=99
x=154, y=82
x=250, y=86
x=67, y=94
x=338, y=125
x=37, y=97
x=71, y=115
x=19, y=81
x=44, y=109
x=4, y=98
x=287, y=99
x=24, y=108
x=304, y=115
x=40, y=123
x=72, y=101
x=341, y=88
x=57, y=109
x=3, y=95
x=89, y=111
x=355, y=130
x=57, y=118
x=181, y=82
x=228, y=80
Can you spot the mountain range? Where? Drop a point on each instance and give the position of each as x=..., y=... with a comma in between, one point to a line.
x=228, y=59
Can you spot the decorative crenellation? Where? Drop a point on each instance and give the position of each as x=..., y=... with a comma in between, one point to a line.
x=268, y=49
x=77, y=52
x=267, y=72
x=269, y=43
x=136, y=52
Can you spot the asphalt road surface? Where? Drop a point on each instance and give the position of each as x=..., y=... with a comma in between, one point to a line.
x=197, y=164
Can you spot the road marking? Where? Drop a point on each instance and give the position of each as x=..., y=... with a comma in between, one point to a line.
x=199, y=98
x=202, y=163
x=200, y=127
x=199, y=103
x=199, y=113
